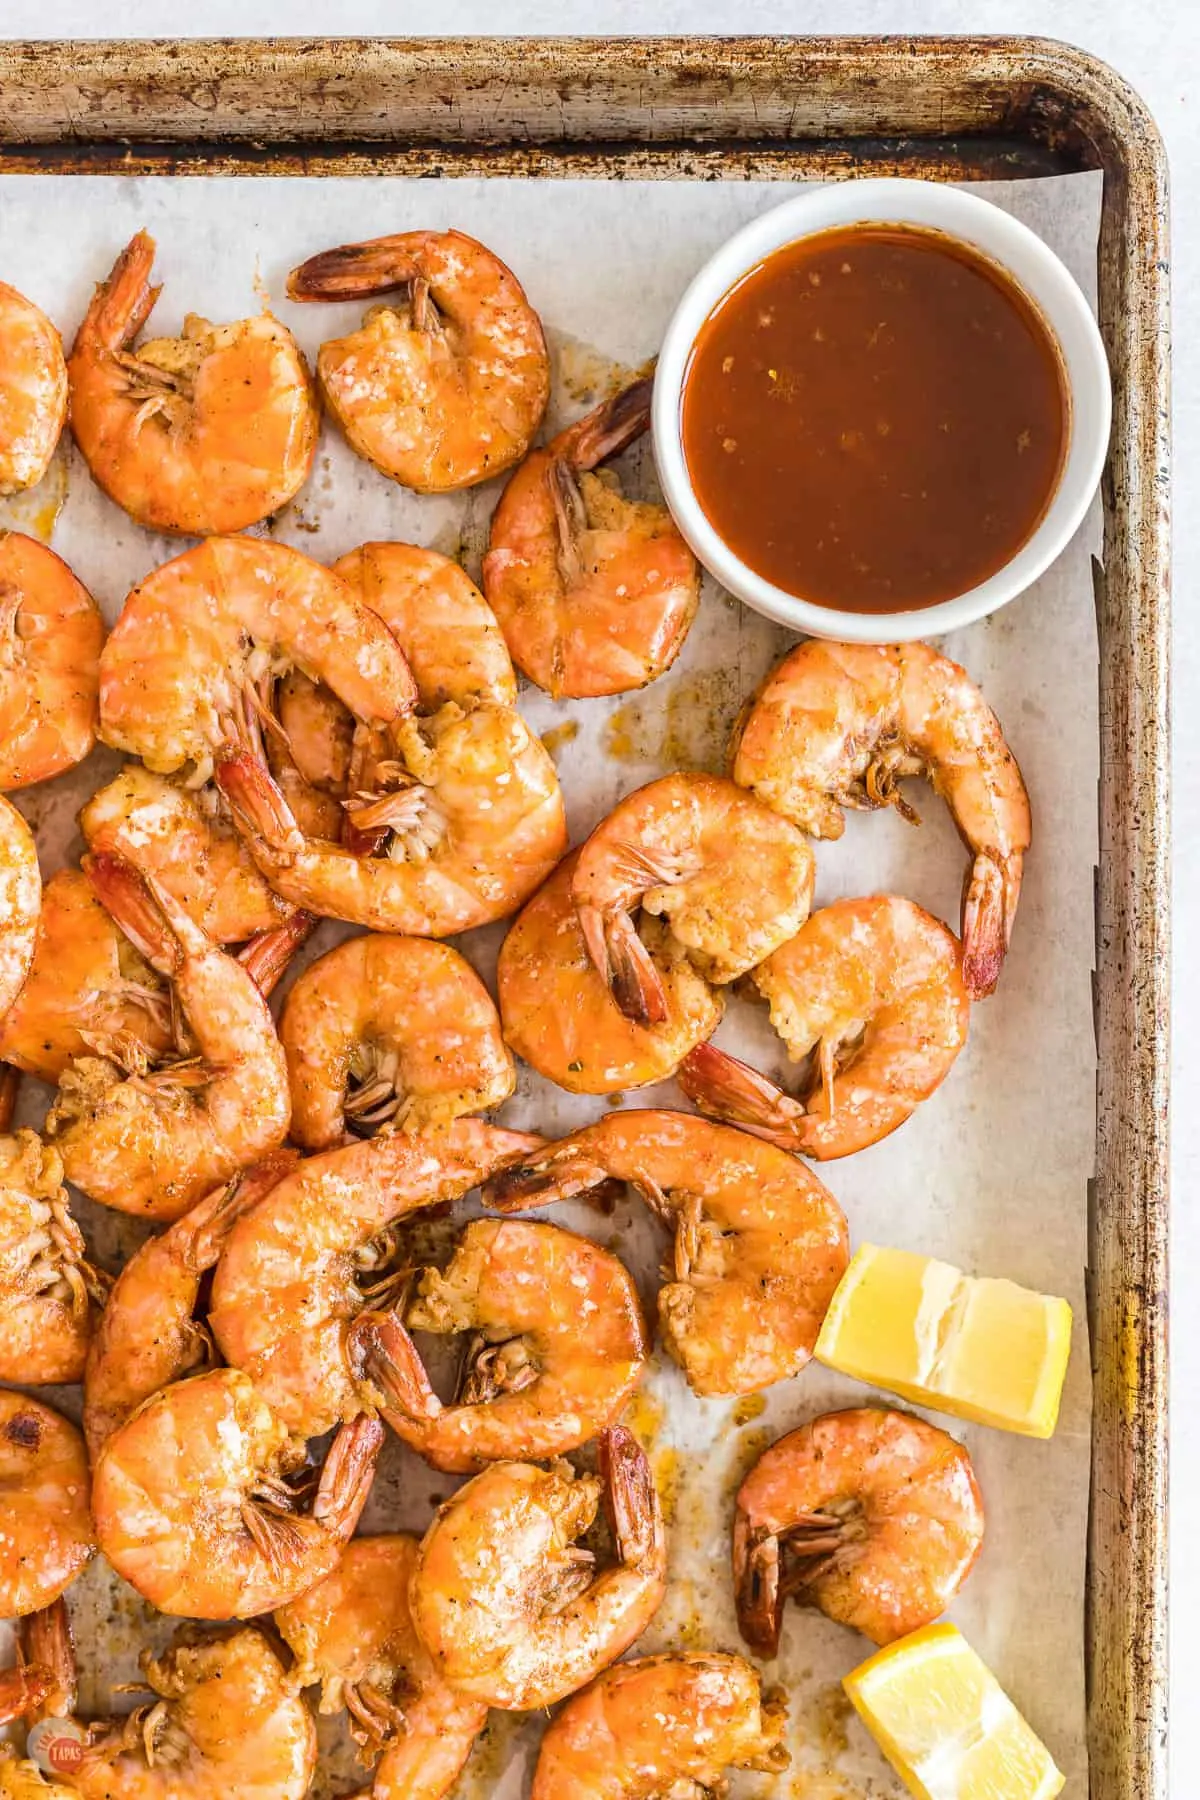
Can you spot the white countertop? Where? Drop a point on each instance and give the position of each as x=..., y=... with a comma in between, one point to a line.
x=1156, y=47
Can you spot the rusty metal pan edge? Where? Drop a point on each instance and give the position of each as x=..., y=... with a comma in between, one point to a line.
x=745, y=106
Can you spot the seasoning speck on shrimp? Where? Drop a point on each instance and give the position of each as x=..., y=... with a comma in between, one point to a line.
x=558, y=1013
x=871, y=993
x=20, y=902
x=323, y=1247
x=190, y=666
x=224, y=1720
x=196, y=1499
x=559, y=1345
x=839, y=725
x=390, y=1031
x=154, y=1144
x=732, y=880
x=207, y=432
x=662, y=1725
x=759, y=1244
x=871, y=1514
x=445, y=385
x=149, y=1335
x=49, y=1292
x=353, y=1633
x=46, y=1533
x=50, y=638
x=595, y=593
x=511, y=1611
x=33, y=391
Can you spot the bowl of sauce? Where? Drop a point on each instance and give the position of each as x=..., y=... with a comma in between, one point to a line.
x=881, y=410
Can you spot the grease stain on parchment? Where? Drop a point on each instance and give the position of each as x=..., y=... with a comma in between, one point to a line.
x=688, y=727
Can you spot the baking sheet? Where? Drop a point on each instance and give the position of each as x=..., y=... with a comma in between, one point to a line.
x=991, y=1173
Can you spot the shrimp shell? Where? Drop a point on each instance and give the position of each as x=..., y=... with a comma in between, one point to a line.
x=873, y=1515
x=208, y=432
x=46, y=1533
x=661, y=1725
x=51, y=634
x=445, y=388
x=33, y=391
x=20, y=902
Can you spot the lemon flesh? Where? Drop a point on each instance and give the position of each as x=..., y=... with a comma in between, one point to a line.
x=978, y=1348
x=946, y=1725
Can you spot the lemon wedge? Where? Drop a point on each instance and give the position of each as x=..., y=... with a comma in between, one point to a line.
x=975, y=1347
x=946, y=1725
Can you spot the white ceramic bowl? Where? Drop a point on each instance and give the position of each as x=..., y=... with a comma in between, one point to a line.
x=1004, y=240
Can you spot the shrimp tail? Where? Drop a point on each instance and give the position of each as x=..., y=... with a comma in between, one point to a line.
x=49, y=1650
x=989, y=907
x=353, y=272
x=347, y=1476
x=252, y=792
x=624, y=962
x=122, y=304
x=23, y=1691
x=527, y=1184
x=212, y=1218
x=724, y=1088
x=613, y=426
x=267, y=955
x=152, y=922
x=382, y=1353
x=758, y=1593
x=630, y=1496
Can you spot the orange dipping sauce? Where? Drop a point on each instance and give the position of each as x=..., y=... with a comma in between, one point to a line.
x=875, y=418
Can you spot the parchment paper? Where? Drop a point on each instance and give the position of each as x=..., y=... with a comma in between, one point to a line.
x=991, y=1173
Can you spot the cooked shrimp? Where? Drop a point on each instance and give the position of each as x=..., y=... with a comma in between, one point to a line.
x=149, y=1335
x=49, y=1292
x=390, y=1030
x=20, y=902
x=354, y=1634
x=287, y=1287
x=196, y=1501
x=207, y=432
x=46, y=1532
x=50, y=639
x=559, y=1346
x=33, y=391
x=871, y=992
x=446, y=629
x=470, y=822
x=456, y=652
x=870, y=1514
x=446, y=386
x=88, y=989
x=154, y=1144
x=200, y=641
x=225, y=1723
x=841, y=725
x=511, y=1610
x=558, y=1013
x=595, y=593
x=732, y=880
x=759, y=1245
x=661, y=1725
x=183, y=839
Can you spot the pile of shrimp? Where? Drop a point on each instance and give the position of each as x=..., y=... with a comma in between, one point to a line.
x=345, y=743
